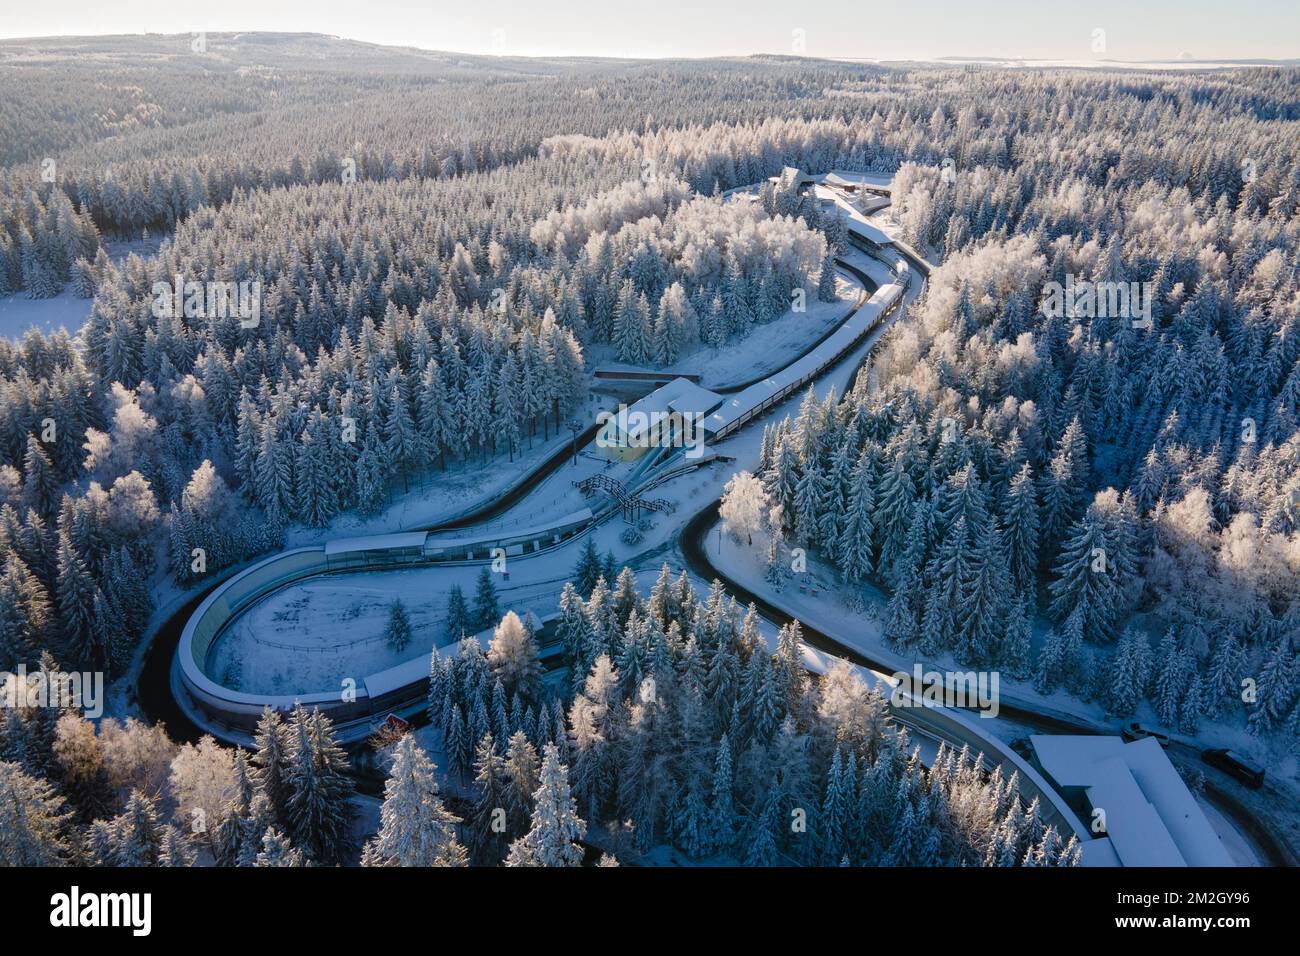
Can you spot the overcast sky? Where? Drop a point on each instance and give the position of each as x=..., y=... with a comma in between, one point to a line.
x=870, y=29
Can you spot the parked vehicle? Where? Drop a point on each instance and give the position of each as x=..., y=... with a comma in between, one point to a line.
x=1136, y=731
x=1235, y=766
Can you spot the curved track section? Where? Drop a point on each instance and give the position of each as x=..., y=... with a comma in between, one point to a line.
x=204, y=704
x=175, y=687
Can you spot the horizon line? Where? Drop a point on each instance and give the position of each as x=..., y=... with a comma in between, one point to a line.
x=991, y=60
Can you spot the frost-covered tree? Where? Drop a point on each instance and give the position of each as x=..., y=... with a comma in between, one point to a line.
x=744, y=504
x=202, y=784
x=81, y=774
x=320, y=787
x=397, y=633
x=553, y=839
x=487, y=611
x=34, y=825
x=277, y=851
x=512, y=655
x=415, y=828
x=135, y=837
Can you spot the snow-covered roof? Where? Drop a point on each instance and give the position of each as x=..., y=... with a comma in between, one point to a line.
x=835, y=179
x=681, y=395
x=793, y=176
x=1137, y=833
x=1152, y=819
x=848, y=332
x=375, y=542
x=397, y=677
x=881, y=180
x=854, y=217
x=869, y=232
x=1070, y=759
x=695, y=401
x=480, y=537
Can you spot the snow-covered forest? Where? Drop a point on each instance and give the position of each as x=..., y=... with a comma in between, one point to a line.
x=1118, y=479
x=682, y=729
x=435, y=297
x=679, y=732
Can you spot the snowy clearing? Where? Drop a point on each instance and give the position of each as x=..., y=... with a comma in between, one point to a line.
x=768, y=347
x=19, y=314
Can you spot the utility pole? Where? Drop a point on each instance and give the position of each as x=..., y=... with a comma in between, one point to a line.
x=575, y=426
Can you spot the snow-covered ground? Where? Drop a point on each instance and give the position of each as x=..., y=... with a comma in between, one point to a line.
x=1242, y=853
x=438, y=497
x=19, y=314
x=310, y=635
x=769, y=347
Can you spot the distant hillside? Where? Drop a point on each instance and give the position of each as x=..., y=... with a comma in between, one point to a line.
x=277, y=50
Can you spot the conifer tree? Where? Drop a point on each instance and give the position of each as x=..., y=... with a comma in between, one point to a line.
x=397, y=634
x=486, y=609
x=1058, y=659
x=588, y=569
x=40, y=481
x=135, y=835
x=487, y=823
x=75, y=590
x=521, y=780
x=1022, y=531
x=1130, y=671
x=1276, y=688
x=1223, y=682
x=1015, y=656
x=458, y=742
x=983, y=601
x=722, y=810
x=512, y=655
x=34, y=825
x=855, y=536
x=271, y=759
x=276, y=850
x=1085, y=579
x=760, y=842
x=552, y=839
x=320, y=788
x=458, y=616
x=826, y=279
x=415, y=829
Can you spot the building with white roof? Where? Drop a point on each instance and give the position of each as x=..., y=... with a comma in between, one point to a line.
x=1150, y=817
x=792, y=178
x=839, y=182
x=670, y=416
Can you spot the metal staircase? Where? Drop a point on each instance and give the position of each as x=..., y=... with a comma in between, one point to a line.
x=631, y=504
